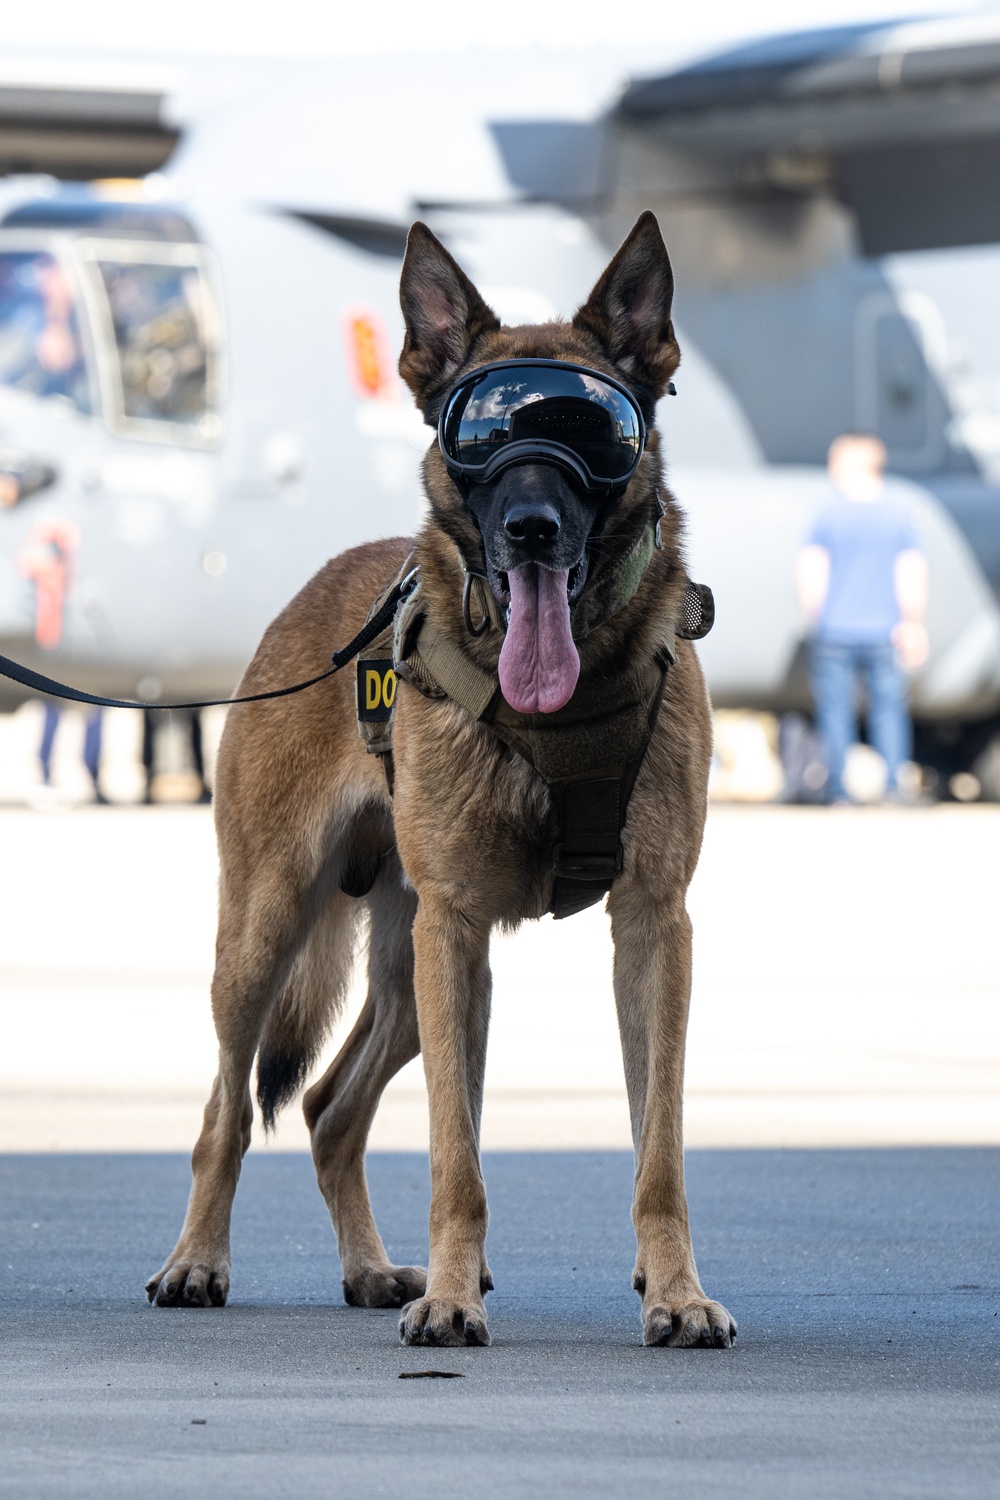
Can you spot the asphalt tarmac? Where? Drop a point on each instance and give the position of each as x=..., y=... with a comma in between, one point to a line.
x=864, y=1283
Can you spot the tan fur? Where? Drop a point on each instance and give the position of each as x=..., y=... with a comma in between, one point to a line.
x=464, y=845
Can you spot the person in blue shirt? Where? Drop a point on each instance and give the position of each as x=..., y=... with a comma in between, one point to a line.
x=862, y=583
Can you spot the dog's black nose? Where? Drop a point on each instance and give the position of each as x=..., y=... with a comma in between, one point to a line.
x=533, y=521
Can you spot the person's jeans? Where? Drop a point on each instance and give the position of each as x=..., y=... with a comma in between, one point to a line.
x=91, y=742
x=49, y=728
x=835, y=667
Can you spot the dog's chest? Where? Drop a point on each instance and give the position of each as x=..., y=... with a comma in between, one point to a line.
x=470, y=812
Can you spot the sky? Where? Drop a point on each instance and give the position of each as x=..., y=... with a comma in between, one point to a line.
x=306, y=28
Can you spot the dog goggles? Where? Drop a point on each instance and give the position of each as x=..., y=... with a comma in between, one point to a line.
x=519, y=410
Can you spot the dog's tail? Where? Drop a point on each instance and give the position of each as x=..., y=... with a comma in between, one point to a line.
x=282, y=1068
x=306, y=1009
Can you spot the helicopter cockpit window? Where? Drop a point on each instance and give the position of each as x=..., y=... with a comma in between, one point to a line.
x=41, y=351
x=161, y=316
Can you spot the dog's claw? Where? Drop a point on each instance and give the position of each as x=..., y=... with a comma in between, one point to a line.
x=698, y=1324
x=431, y=1321
x=189, y=1284
x=385, y=1286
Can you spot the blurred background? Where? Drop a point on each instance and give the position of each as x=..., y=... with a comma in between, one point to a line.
x=202, y=220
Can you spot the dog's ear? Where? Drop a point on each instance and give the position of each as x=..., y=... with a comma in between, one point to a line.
x=443, y=312
x=629, y=309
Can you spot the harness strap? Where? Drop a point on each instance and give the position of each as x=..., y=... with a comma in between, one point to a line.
x=593, y=811
x=455, y=672
x=588, y=857
x=589, y=753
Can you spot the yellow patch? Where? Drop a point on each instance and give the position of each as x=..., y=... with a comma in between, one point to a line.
x=376, y=690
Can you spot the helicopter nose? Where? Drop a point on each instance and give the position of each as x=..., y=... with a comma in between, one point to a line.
x=533, y=522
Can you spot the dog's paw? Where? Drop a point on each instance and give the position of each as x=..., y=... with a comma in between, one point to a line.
x=189, y=1283
x=697, y=1324
x=446, y=1324
x=385, y=1286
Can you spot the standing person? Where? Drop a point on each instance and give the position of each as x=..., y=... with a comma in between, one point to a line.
x=49, y=561
x=862, y=583
x=91, y=748
x=152, y=721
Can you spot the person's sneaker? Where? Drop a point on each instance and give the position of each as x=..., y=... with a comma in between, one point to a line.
x=47, y=798
x=901, y=796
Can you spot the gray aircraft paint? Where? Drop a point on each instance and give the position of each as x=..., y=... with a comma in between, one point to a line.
x=300, y=181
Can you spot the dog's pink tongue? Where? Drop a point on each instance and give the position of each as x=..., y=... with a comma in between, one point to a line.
x=539, y=664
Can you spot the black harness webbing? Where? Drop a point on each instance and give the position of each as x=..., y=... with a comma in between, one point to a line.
x=39, y=683
x=589, y=856
x=590, y=752
x=592, y=812
x=592, y=803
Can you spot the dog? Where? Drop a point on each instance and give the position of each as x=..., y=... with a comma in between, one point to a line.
x=311, y=838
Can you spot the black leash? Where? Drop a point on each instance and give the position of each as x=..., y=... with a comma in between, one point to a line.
x=41, y=684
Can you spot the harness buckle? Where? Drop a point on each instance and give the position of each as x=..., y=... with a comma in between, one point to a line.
x=587, y=866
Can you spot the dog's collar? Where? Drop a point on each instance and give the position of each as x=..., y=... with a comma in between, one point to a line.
x=614, y=587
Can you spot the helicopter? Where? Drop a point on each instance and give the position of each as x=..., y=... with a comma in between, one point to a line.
x=198, y=395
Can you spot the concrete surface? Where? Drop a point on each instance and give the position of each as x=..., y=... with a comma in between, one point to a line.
x=847, y=975
x=864, y=1283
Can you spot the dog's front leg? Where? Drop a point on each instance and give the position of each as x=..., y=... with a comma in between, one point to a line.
x=652, y=992
x=452, y=981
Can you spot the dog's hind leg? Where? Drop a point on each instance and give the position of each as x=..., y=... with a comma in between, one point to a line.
x=339, y=1108
x=261, y=930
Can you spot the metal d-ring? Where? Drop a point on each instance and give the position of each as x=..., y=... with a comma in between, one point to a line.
x=484, y=623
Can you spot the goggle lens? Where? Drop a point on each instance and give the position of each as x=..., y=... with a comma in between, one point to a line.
x=557, y=404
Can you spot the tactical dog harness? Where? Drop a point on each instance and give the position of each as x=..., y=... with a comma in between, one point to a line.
x=588, y=752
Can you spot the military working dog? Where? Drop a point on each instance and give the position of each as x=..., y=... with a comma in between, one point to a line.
x=574, y=548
